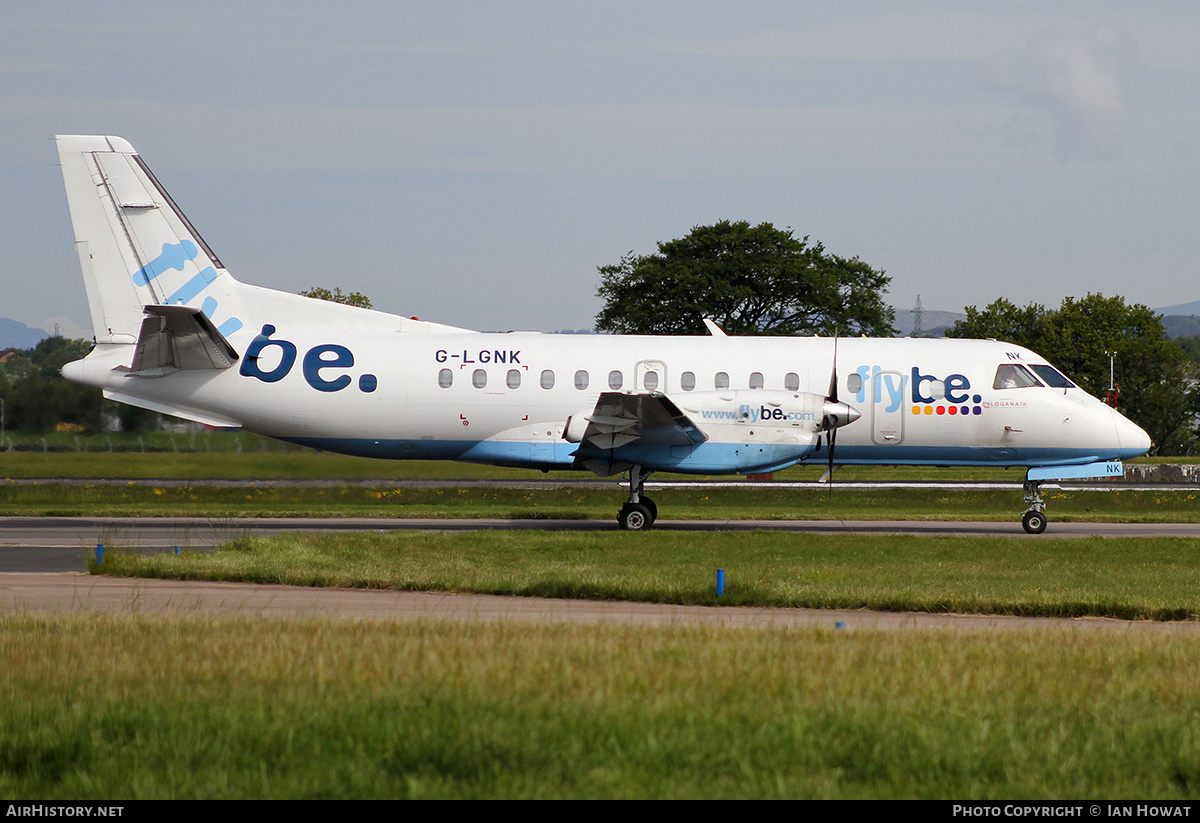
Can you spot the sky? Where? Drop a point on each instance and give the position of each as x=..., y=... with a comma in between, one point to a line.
x=473, y=163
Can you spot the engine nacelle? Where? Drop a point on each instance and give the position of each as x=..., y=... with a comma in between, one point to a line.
x=576, y=426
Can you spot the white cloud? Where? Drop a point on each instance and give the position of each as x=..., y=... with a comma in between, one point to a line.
x=1070, y=90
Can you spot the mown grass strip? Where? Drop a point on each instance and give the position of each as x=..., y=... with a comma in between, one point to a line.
x=1133, y=578
x=187, y=707
x=726, y=503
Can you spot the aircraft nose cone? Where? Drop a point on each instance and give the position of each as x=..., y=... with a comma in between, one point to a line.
x=1131, y=437
x=839, y=414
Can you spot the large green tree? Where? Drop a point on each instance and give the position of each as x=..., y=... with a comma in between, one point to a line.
x=750, y=280
x=37, y=398
x=354, y=298
x=1157, y=380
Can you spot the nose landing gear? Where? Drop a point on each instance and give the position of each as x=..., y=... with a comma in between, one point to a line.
x=1034, y=519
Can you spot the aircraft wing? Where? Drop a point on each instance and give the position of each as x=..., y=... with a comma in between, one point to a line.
x=177, y=338
x=647, y=419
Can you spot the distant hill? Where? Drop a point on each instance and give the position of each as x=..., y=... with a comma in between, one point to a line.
x=1181, y=325
x=1181, y=320
x=15, y=335
x=1180, y=309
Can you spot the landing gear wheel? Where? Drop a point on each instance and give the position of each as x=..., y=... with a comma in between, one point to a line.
x=635, y=517
x=1034, y=522
x=649, y=504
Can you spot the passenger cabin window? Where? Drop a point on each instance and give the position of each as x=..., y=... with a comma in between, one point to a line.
x=791, y=381
x=1052, y=377
x=479, y=378
x=650, y=380
x=756, y=380
x=547, y=379
x=687, y=381
x=581, y=380
x=513, y=379
x=721, y=381
x=615, y=380
x=1013, y=376
x=445, y=378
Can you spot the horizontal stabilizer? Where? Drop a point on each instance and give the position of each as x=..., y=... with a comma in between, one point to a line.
x=201, y=416
x=179, y=338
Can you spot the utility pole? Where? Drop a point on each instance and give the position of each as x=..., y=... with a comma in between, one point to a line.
x=919, y=312
x=1114, y=389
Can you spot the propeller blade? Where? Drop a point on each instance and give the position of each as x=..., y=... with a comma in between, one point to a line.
x=832, y=397
x=829, y=468
x=833, y=381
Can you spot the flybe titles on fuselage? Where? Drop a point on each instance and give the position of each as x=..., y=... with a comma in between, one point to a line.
x=324, y=366
x=928, y=393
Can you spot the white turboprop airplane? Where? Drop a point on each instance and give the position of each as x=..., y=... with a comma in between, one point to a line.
x=175, y=333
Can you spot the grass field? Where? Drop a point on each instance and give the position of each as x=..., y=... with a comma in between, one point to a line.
x=235, y=708
x=179, y=707
x=1140, y=578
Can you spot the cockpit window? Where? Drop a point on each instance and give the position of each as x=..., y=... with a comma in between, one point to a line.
x=1013, y=376
x=1052, y=377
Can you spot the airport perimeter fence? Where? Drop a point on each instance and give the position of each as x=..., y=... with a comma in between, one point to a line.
x=144, y=442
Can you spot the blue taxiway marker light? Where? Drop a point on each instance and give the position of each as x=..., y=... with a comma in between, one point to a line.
x=720, y=582
x=839, y=625
x=177, y=551
x=99, y=553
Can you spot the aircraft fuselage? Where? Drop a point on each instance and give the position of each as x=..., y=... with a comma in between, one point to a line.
x=508, y=398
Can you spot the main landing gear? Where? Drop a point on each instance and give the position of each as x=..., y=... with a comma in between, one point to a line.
x=640, y=512
x=1034, y=519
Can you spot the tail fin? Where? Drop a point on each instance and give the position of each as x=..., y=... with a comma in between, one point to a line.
x=135, y=246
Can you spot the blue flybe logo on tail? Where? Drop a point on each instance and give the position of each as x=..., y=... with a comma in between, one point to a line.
x=172, y=258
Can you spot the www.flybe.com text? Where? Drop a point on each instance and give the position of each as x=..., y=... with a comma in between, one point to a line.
x=752, y=414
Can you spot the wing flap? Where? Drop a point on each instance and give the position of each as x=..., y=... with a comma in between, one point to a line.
x=647, y=419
